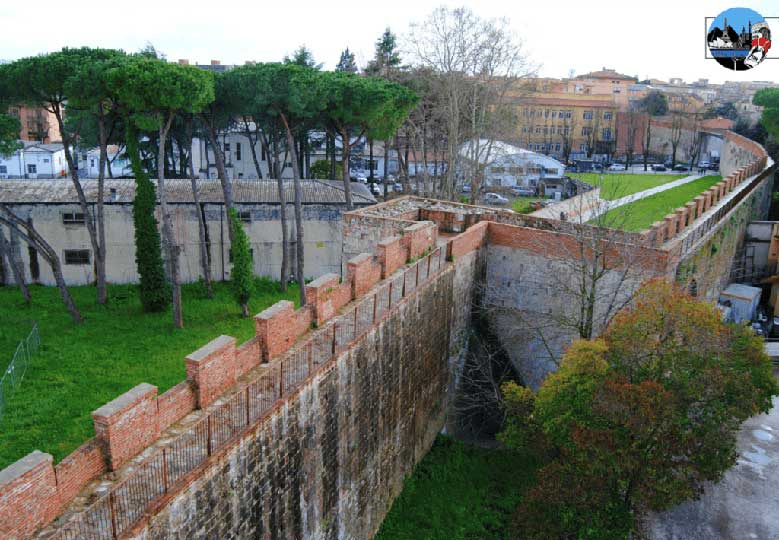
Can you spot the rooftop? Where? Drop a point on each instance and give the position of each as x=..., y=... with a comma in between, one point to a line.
x=180, y=191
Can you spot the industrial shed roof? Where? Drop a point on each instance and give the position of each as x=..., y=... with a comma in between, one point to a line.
x=61, y=191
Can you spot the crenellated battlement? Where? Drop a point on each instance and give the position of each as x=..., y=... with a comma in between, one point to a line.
x=289, y=346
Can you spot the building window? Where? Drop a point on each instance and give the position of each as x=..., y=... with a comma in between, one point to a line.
x=77, y=256
x=538, y=129
x=607, y=115
x=524, y=130
x=73, y=218
x=32, y=169
x=583, y=147
x=586, y=131
x=237, y=151
x=245, y=216
x=554, y=114
x=606, y=134
x=3, y=169
x=45, y=160
x=91, y=162
x=227, y=147
x=262, y=153
x=557, y=147
x=587, y=115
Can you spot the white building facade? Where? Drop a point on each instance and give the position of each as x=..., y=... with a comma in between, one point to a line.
x=34, y=161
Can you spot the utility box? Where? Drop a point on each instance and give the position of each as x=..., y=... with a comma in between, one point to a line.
x=743, y=301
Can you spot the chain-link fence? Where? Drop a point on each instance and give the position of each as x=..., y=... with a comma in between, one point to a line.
x=14, y=373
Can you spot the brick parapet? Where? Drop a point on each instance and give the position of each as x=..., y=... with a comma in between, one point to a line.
x=365, y=271
x=392, y=255
x=28, y=496
x=175, y=404
x=327, y=295
x=211, y=369
x=128, y=424
x=78, y=469
x=419, y=238
x=279, y=326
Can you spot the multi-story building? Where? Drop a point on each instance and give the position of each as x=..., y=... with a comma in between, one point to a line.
x=566, y=125
x=37, y=124
x=605, y=82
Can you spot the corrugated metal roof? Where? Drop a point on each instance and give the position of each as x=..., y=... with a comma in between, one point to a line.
x=180, y=191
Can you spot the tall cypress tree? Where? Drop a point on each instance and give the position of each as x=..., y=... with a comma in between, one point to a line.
x=242, y=272
x=153, y=289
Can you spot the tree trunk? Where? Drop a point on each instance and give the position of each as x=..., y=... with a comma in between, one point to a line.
x=16, y=268
x=298, y=212
x=167, y=226
x=284, y=277
x=345, y=165
x=205, y=262
x=386, y=167
x=102, y=292
x=82, y=200
x=221, y=171
x=248, y=133
x=36, y=241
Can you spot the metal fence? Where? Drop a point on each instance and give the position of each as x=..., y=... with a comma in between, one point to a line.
x=157, y=475
x=14, y=373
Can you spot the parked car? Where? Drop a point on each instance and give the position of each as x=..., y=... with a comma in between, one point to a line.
x=466, y=188
x=616, y=167
x=659, y=167
x=361, y=178
x=681, y=168
x=397, y=186
x=520, y=191
x=704, y=165
x=376, y=190
x=495, y=198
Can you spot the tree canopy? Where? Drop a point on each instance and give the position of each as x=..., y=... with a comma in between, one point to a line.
x=654, y=103
x=152, y=88
x=640, y=418
x=768, y=98
x=347, y=63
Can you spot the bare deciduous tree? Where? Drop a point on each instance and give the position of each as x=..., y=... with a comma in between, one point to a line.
x=478, y=63
x=569, y=285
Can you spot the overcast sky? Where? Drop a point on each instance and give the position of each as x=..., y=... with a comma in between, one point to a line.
x=660, y=39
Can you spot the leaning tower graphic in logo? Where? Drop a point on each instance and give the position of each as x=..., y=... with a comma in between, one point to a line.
x=739, y=38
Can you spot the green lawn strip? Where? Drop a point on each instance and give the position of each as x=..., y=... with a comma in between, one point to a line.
x=639, y=215
x=523, y=205
x=81, y=367
x=460, y=492
x=616, y=185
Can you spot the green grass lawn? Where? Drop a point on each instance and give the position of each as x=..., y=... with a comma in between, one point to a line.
x=81, y=367
x=639, y=215
x=522, y=205
x=616, y=185
x=460, y=492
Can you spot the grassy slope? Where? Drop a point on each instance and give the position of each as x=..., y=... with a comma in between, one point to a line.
x=640, y=214
x=616, y=185
x=459, y=492
x=522, y=204
x=81, y=367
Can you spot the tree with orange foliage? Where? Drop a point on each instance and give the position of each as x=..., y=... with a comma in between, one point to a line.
x=640, y=418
